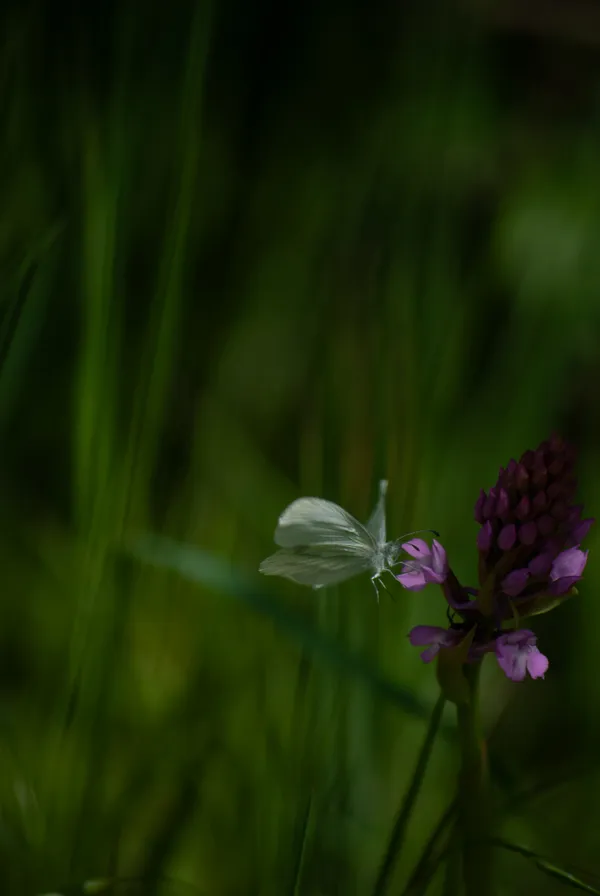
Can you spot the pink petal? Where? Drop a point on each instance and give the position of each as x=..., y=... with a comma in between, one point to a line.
x=537, y=663
x=417, y=548
x=422, y=635
x=413, y=581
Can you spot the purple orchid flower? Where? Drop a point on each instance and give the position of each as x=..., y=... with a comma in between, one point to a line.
x=531, y=532
x=567, y=569
x=428, y=566
x=530, y=559
x=434, y=637
x=517, y=654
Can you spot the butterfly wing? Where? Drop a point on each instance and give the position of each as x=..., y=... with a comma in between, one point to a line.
x=314, y=521
x=316, y=565
x=376, y=524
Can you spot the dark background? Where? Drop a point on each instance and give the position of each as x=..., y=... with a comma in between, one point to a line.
x=250, y=251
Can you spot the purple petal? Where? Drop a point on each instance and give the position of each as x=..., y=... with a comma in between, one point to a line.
x=528, y=459
x=541, y=565
x=540, y=502
x=518, y=654
x=515, y=582
x=507, y=537
x=582, y=529
x=574, y=514
x=512, y=639
x=554, y=490
x=559, y=510
x=569, y=563
x=546, y=524
x=440, y=561
x=561, y=586
x=521, y=478
x=556, y=466
x=430, y=653
x=413, y=580
x=484, y=537
x=417, y=548
x=478, y=511
x=503, y=503
x=432, y=577
x=537, y=663
x=513, y=664
x=434, y=637
x=423, y=635
x=489, y=505
x=523, y=508
x=528, y=533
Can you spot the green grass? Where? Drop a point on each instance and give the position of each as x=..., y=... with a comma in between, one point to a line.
x=221, y=291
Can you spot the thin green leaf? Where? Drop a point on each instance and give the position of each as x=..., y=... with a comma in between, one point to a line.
x=303, y=838
x=433, y=853
x=399, y=830
x=116, y=885
x=563, y=874
x=23, y=315
x=217, y=575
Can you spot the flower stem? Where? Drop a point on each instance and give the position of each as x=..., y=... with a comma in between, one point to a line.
x=401, y=823
x=474, y=794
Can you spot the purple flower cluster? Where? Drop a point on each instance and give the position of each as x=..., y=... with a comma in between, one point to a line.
x=529, y=561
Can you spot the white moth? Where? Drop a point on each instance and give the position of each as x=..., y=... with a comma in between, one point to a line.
x=322, y=544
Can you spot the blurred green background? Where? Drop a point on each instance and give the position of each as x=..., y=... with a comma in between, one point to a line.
x=252, y=251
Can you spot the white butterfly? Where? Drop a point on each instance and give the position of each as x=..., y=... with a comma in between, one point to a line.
x=322, y=544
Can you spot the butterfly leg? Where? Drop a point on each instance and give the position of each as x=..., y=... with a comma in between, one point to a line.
x=377, y=580
x=374, y=580
x=393, y=596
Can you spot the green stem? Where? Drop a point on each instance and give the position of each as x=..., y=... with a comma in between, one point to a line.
x=399, y=830
x=434, y=852
x=474, y=794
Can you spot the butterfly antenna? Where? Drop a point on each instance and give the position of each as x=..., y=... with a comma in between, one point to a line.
x=418, y=532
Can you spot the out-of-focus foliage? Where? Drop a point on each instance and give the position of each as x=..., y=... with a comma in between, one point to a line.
x=251, y=251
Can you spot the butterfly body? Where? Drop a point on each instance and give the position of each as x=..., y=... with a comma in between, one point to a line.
x=322, y=544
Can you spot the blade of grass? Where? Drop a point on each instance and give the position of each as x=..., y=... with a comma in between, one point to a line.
x=161, y=343
x=22, y=320
x=400, y=825
x=108, y=885
x=548, y=867
x=432, y=854
x=299, y=861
